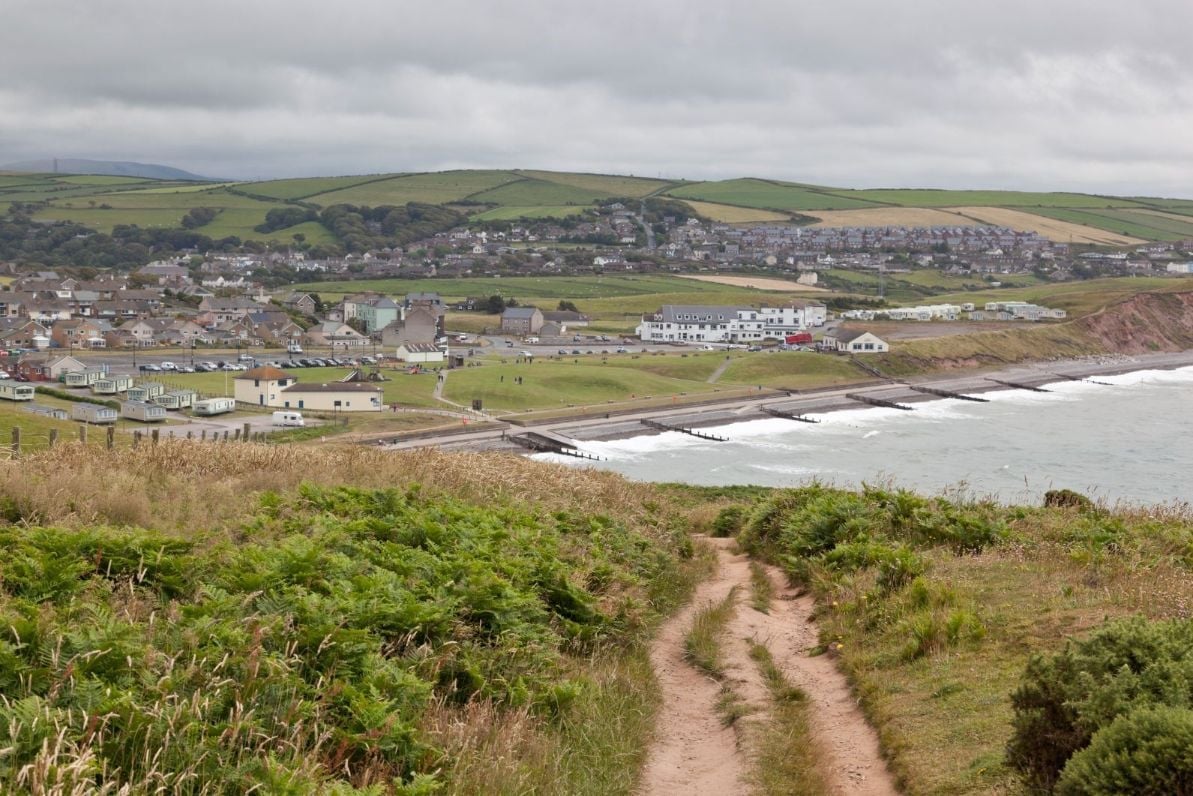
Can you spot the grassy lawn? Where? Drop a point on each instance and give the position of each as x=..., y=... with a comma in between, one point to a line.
x=793, y=370
x=687, y=366
x=524, y=288
x=562, y=383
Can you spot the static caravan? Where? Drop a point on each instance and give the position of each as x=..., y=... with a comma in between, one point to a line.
x=82, y=378
x=176, y=399
x=110, y=385
x=47, y=411
x=146, y=413
x=145, y=391
x=16, y=391
x=93, y=413
x=214, y=406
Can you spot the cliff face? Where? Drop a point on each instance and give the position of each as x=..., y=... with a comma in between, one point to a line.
x=1143, y=323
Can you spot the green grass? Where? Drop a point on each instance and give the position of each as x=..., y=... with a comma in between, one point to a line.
x=934, y=657
x=103, y=180
x=607, y=184
x=793, y=370
x=695, y=366
x=530, y=193
x=237, y=214
x=514, y=213
x=702, y=643
x=768, y=195
x=432, y=626
x=788, y=761
x=561, y=383
x=529, y=288
x=313, y=232
x=1125, y=222
x=762, y=592
x=302, y=187
x=439, y=188
x=911, y=197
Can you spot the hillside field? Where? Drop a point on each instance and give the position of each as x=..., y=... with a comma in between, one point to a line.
x=509, y=195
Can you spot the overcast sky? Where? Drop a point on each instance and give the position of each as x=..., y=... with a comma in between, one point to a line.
x=1034, y=94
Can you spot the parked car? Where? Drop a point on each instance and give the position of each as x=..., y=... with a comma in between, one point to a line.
x=168, y=365
x=623, y=350
x=203, y=367
x=707, y=347
x=185, y=369
x=563, y=351
x=150, y=368
x=368, y=360
x=245, y=357
x=575, y=351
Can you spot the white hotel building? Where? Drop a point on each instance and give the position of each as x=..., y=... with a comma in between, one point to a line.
x=696, y=323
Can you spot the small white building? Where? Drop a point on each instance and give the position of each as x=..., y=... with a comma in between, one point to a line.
x=334, y=397
x=146, y=413
x=697, y=323
x=419, y=353
x=856, y=342
x=262, y=386
x=93, y=413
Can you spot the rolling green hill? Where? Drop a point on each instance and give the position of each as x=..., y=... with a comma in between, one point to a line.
x=103, y=202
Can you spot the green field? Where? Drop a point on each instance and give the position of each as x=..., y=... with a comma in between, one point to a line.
x=769, y=195
x=516, y=213
x=529, y=193
x=237, y=214
x=1127, y=222
x=440, y=188
x=608, y=184
x=302, y=187
x=912, y=197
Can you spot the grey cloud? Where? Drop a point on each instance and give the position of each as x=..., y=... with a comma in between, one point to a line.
x=1065, y=94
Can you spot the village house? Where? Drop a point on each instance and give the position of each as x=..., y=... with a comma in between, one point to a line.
x=855, y=342
x=302, y=302
x=23, y=333
x=80, y=333
x=48, y=368
x=271, y=387
x=333, y=334
x=214, y=311
x=521, y=320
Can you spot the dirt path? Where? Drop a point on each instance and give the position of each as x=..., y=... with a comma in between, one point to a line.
x=696, y=754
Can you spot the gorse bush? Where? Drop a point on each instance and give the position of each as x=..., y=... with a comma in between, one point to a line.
x=308, y=655
x=1147, y=752
x=1066, y=698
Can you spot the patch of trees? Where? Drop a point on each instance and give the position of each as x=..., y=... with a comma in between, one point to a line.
x=66, y=243
x=199, y=217
x=364, y=228
x=282, y=217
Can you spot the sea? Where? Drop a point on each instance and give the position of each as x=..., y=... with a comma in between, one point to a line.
x=1125, y=440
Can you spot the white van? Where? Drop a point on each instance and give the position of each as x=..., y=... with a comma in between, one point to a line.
x=288, y=419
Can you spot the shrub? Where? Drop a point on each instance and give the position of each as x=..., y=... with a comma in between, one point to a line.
x=1066, y=698
x=1067, y=499
x=729, y=521
x=1147, y=752
x=66, y=395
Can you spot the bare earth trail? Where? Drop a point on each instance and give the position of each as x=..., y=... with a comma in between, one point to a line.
x=696, y=754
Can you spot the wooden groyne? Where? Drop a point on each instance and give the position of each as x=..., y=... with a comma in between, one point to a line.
x=1082, y=378
x=1017, y=385
x=766, y=410
x=866, y=399
x=668, y=427
x=946, y=393
x=542, y=443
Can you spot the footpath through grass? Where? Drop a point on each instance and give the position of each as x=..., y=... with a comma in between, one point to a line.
x=934, y=608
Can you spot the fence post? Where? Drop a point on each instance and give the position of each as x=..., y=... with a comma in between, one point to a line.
x=246, y=432
x=111, y=437
x=83, y=433
x=203, y=435
x=236, y=436
x=225, y=435
x=16, y=442
x=53, y=437
x=136, y=438
x=190, y=435
x=156, y=435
